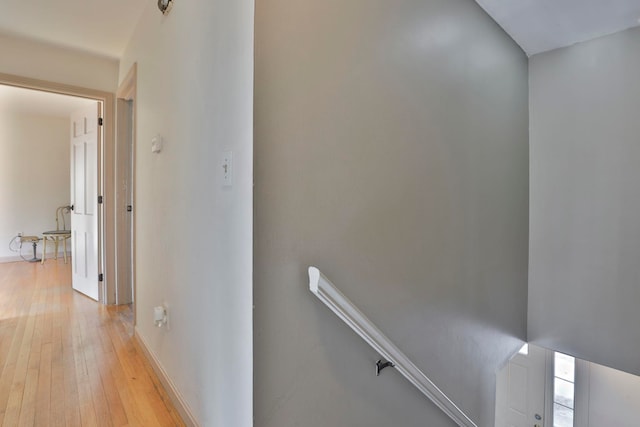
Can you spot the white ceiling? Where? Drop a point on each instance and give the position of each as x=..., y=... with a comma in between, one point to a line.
x=27, y=101
x=97, y=26
x=104, y=27
x=542, y=25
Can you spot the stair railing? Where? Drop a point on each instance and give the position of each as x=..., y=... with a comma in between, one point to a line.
x=352, y=316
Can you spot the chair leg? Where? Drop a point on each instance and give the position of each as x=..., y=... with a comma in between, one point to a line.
x=64, y=247
x=44, y=249
x=56, y=244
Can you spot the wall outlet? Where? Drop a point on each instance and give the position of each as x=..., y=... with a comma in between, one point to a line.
x=161, y=316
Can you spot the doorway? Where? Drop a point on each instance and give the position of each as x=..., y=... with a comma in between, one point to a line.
x=125, y=175
x=105, y=259
x=522, y=389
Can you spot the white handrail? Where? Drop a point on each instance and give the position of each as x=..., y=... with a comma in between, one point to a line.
x=349, y=313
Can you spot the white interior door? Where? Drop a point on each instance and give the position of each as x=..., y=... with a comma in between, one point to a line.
x=520, y=390
x=84, y=199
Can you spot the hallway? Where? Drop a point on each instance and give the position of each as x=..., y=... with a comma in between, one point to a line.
x=67, y=361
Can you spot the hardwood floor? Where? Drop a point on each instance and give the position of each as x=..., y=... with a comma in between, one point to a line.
x=69, y=361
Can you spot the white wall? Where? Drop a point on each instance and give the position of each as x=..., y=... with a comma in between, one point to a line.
x=585, y=200
x=391, y=147
x=194, y=236
x=34, y=176
x=604, y=397
x=612, y=397
x=37, y=60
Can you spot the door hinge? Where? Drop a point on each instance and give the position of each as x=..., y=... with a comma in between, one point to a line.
x=100, y=121
x=129, y=208
x=99, y=200
x=100, y=277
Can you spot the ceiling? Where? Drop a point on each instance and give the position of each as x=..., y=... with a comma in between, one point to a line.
x=27, y=101
x=104, y=27
x=542, y=25
x=96, y=26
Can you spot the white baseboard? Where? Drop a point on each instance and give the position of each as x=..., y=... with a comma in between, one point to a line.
x=6, y=259
x=28, y=254
x=176, y=398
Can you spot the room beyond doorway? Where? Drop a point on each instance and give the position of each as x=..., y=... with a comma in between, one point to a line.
x=106, y=240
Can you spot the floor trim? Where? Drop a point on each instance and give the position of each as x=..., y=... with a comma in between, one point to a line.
x=6, y=259
x=28, y=254
x=174, y=395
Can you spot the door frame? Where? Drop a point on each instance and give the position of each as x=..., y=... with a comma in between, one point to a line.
x=126, y=140
x=106, y=241
x=582, y=374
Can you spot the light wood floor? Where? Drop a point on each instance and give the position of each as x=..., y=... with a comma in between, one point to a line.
x=69, y=361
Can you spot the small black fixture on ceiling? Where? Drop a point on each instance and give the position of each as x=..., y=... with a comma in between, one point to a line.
x=165, y=6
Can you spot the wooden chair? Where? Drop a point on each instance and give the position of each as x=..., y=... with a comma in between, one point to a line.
x=58, y=235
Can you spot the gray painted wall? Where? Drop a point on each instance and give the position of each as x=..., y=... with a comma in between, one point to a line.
x=585, y=200
x=391, y=151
